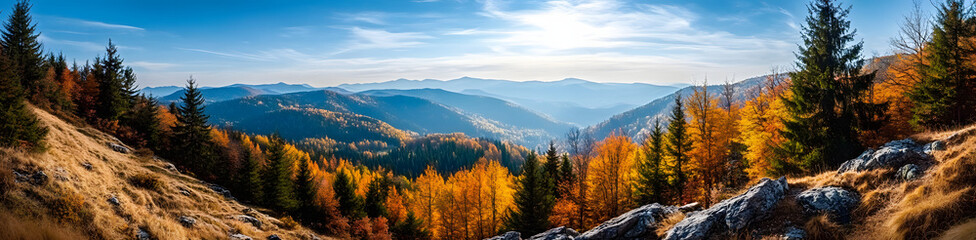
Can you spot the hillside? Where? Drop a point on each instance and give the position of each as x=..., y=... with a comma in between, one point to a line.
x=569, y=100
x=636, y=122
x=79, y=186
x=407, y=113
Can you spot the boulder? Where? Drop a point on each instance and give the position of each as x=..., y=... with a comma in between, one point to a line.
x=39, y=178
x=639, y=223
x=238, y=236
x=793, y=233
x=114, y=200
x=691, y=207
x=187, y=221
x=933, y=146
x=893, y=153
x=559, y=233
x=510, y=235
x=834, y=200
x=118, y=148
x=909, y=172
x=274, y=237
x=248, y=219
x=221, y=190
x=732, y=214
x=143, y=235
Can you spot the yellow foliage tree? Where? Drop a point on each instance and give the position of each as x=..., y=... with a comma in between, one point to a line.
x=709, y=146
x=760, y=124
x=611, y=174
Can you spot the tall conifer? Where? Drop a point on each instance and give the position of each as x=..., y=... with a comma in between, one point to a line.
x=651, y=180
x=22, y=49
x=945, y=95
x=678, y=147
x=533, y=204
x=279, y=190
x=191, y=134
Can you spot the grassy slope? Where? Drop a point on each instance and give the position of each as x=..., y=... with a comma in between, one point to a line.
x=155, y=211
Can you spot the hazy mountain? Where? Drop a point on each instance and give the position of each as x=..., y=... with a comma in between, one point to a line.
x=636, y=122
x=569, y=100
x=408, y=113
x=235, y=91
x=160, y=91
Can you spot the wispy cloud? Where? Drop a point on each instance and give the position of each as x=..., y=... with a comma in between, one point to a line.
x=152, y=66
x=89, y=46
x=104, y=25
x=244, y=56
x=296, y=31
x=381, y=39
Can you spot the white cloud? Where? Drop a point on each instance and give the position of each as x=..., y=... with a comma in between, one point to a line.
x=89, y=46
x=152, y=66
x=97, y=24
x=381, y=39
x=244, y=56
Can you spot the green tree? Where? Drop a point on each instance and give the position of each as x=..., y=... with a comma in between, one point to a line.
x=830, y=103
x=17, y=124
x=249, y=178
x=410, y=228
x=533, y=203
x=191, y=134
x=345, y=192
x=376, y=194
x=278, y=186
x=304, y=189
x=145, y=121
x=945, y=95
x=651, y=180
x=116, y=84
x=566, y=175
x=678, y=147
x=551, y=168
x=22, y=49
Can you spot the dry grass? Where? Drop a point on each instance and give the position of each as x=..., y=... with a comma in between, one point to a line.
x=964, y=231
x=821, y=228
x=667, y=223
x=149, y=199
x=35, y=229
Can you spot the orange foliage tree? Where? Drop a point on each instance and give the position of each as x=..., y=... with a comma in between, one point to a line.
x=611, y=174
x=761, y=124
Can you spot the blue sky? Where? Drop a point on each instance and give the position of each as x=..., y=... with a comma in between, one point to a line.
x=326, y=43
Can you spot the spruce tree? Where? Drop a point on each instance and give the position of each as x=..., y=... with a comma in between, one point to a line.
x=145, y=121
x=678, y=147
x=533, y=203
x=18, y=125
x=829, y=103
x=650, y=184
x=551, y=168
x=376, y=194
x=249, y=179
x=345, y=192
x=191, y=134
x=945, y=95
x=22, y=49
x=116, y=85
x=278, y=186
x=410, y=228
x=566, y=175
x=304, y=189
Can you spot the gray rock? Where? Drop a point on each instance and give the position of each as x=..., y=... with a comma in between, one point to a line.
x=119, y=148
x=39, y=178
x=909, y=172
x=238, y=236
x=114, y=200
x=171, y=168
x=793, y=233
x=691, y=207
x=184, y=191
x=221, y=190
x=274, y=237
x=87, y=166
x=732, y=214
x=933, y=146
x=248, y=219
x=187, y=221
x=143, y=235
x=892, y=153
x=834, y=200
x=639, y=223
x=559, y=233
x=510, y=235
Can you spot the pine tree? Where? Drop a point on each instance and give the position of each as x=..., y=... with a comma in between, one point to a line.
x=945, y=95
x=18, y=125
x=376, y=194
x=829, y=104
x=22, y=49
x=278, y=186
x=116, y=84
x=678, y=147
x=249, y=179
x=349, y=203
x=410, y=228
x=145, y=120
x=650, y=185
x=551, y=168
x=566, y=175
x=304, y=189
x=191, y=134
x=532, y=201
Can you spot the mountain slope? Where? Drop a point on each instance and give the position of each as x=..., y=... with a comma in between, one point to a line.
x=402, y=112
x=235, y=91
x=636, y=122
x=82, y=176
x=555, y=98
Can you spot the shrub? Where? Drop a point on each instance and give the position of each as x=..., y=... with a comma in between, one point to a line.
x=288, y=223
x=68, y=206
x=147, y=181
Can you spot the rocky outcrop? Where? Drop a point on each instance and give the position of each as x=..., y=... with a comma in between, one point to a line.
x=892, y=154
x=248, y=219
x=510, y=235
x=836, y=201
x=238, y=236
x=732, y=214
x=909, y=172
x=639, y=223
x=691, y=207
x=119, y=148
x=793, y=233
x=274, y=237
x=559, y=233
x=221, y=190
x=187, y=221
x=143, y=235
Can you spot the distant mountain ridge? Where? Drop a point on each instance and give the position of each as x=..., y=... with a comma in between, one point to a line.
x=569, y=100
x=216, y=94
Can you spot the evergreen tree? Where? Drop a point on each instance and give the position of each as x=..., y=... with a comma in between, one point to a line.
x=650, y=184
x=191, y=134
x=945, y=95
x=376, y=194
x=533, y=203
x=116, y=85
x=304, y=189
x=345, y=192
x=410, y=228
x=249, y=179
x=566, y=175
x=22, y=49
x=551, y=168
x=278, y=186
x=18, y=125
x=678, y=147
x=145, y=121
x=829, y=104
